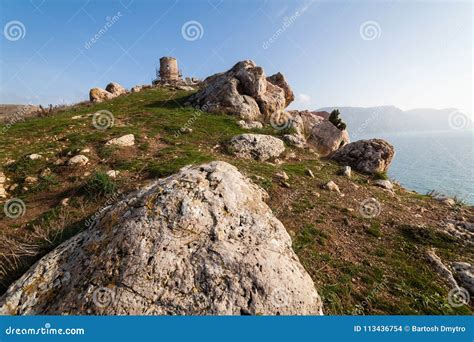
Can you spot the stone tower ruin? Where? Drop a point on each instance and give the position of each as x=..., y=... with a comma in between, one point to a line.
x=169, y=69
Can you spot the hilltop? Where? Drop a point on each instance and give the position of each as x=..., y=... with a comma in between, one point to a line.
x=360, y=265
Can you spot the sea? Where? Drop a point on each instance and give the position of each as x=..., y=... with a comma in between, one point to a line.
x=442, y=161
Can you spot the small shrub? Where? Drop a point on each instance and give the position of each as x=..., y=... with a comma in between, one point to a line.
x=381, y=175
x=374, y=230
x=336, y=120
x=98, y=185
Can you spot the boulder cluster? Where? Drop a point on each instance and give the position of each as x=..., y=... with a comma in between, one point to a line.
x=111, y=90
x=245, y=91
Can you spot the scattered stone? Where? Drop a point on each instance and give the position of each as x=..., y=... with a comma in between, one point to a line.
x=286, y=184
x=112, y=173
x=186, y=130
x=115, y=89
x=35, y=156
x=3, y=192
x=126, y=140
x=31, y=180
x=12, y=187
x=9, y=162
x=46, y=172
x=310, y=173
x=85, y=150
x=384, y=183
x=250, y=125
x=346, y=171
x=256, y=146
x=76, y=117
x=79, y=160
x=369, y=156
x=448, y=201
x=99, y=95
x=65, y=202
x=282, y=175
x=217, y=240
x=331, y=186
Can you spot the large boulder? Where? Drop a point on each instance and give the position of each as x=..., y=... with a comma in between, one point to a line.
x=200, y=242
x=244, y=90
x=99, y=95
x=256, y=146
x=369, y=156
x=115, y=89
x=326, y=138
x=315, y=130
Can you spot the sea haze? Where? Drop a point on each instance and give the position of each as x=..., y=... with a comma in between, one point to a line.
x=434, y=148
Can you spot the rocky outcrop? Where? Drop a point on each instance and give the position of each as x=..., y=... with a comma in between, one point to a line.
x=279, y=80
x=464, y=272
x=115, y=89
x=99, y=95
x=112, y=90
x=244, y=91
x=369, y=156
x=201, y=242
x=256, y=146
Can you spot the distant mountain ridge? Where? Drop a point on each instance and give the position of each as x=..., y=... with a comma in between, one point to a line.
x=362, y=120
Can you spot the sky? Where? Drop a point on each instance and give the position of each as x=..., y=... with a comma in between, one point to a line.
x=411, y=54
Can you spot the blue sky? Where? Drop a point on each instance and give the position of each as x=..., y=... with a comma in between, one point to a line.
x=359, y=53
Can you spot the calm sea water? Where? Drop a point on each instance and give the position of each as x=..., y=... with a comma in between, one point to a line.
x=441, y=161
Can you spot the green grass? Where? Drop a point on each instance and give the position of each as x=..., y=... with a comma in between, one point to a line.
x=98, y=185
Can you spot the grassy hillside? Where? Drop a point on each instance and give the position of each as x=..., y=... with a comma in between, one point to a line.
x=359, y=265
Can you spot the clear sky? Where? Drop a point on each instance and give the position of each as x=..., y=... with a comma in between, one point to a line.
x=334, y=53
